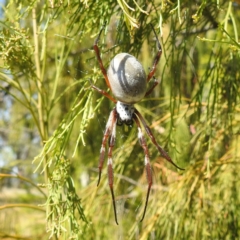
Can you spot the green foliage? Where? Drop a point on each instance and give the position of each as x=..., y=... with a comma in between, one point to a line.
x=63, y=204
x=50, y=114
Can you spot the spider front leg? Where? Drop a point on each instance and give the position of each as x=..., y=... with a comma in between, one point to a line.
x=108, y=132
x=110, y=165
x=147, y=161
x=151, y=136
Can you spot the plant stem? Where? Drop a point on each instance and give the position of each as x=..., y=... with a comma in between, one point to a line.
x=40, y=104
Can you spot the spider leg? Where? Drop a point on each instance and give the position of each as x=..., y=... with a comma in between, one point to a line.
x=104, y=93
x=152, y=87
x=110, y=131
x=107, y=133
x=155, y=62
x=110, y=165
x=147, y=162
x=151, y=136
x=97, y=51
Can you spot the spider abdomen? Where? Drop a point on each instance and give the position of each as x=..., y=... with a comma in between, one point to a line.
x=127, y=78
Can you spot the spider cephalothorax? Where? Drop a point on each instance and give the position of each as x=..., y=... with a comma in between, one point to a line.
x=127, y=80
x=124, y=113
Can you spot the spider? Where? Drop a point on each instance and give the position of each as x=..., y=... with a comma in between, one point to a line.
x=127, y=81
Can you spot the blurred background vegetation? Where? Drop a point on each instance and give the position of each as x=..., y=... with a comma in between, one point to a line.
x=52, y=122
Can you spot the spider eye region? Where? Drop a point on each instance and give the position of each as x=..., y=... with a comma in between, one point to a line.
x=125, y=113
x=127, y=78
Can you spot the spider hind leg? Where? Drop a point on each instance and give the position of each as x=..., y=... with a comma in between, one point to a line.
x=98, y=55
x=157, y=58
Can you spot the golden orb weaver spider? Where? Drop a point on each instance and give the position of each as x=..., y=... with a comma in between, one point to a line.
x=127, y=81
